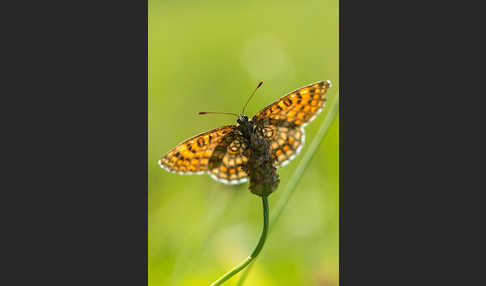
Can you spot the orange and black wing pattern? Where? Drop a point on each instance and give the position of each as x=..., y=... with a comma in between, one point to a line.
x=298, y=107
x=192, y=156
x=282, y=122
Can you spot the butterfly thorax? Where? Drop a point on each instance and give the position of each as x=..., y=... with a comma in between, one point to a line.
x=260, y=167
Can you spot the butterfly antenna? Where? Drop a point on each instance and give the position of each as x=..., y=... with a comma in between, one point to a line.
x=244, y=107
x=211, y=112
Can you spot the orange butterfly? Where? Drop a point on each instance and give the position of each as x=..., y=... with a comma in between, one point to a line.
x=232, y=153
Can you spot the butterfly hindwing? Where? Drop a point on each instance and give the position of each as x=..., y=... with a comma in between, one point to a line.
x=229, y=157
x=286, y=140
x=193, y=155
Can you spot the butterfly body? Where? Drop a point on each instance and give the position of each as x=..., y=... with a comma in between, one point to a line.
x=252, y=148
x=260, y=166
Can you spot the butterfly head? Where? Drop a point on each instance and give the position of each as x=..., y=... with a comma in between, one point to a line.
x=242, y=119
x=245, y=125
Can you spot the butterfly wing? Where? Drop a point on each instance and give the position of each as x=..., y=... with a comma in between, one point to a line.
x=282, y=122
x=298, y=107
x=192, y=156
x=220, y=152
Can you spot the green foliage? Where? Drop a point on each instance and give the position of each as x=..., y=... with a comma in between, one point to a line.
x=208, y=56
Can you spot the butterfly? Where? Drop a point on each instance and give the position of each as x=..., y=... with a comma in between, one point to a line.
x=252, y=148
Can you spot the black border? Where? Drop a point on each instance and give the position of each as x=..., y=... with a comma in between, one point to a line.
x=407, y=115
x=79, y=143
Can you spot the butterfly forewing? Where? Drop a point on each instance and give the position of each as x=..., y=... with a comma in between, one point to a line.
x=193, y=155
x=297, y=107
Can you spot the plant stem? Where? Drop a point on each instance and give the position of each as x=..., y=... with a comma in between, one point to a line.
x=255, y=252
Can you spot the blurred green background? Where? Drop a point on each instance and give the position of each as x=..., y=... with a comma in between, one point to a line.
x=209, y=56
